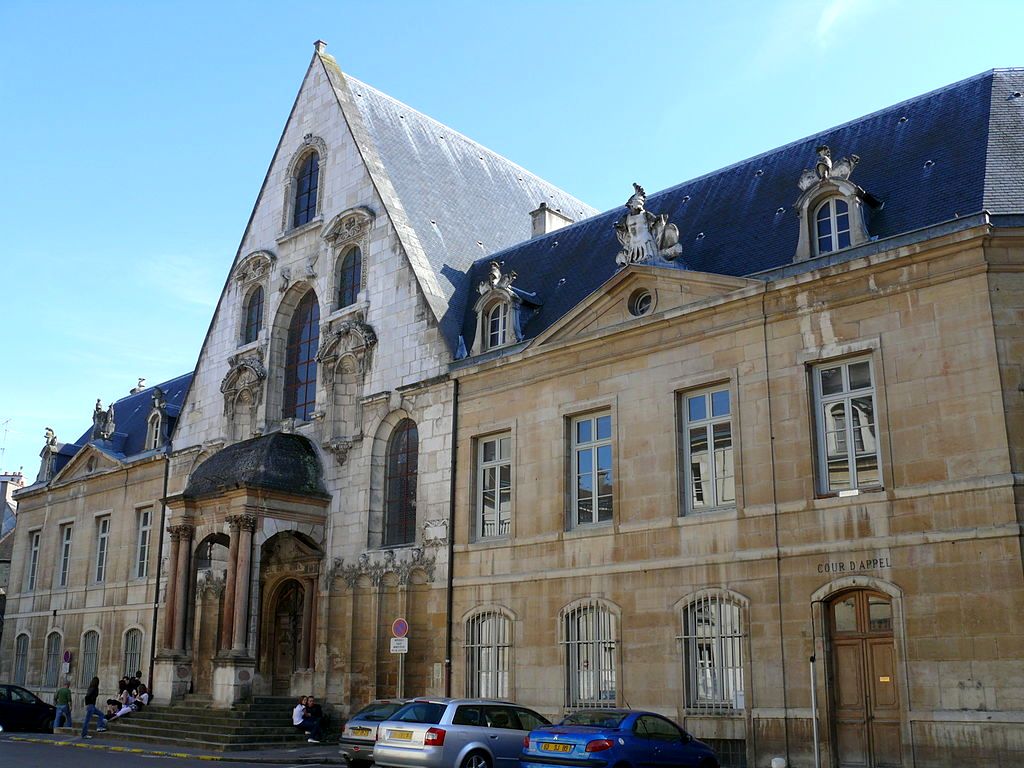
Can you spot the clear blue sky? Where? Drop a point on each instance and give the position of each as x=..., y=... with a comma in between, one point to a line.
x=136, y=135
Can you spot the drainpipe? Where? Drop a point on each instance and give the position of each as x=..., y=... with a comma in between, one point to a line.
x=451, y=542
x=159, y=560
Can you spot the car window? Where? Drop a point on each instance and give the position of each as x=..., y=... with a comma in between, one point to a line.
x=378, y=711
x=595, y=718
x=3, y=693
x=20, y=694
x=530, y=720
x=467, y=716
x=428, y=712
x=651, y=727
x=502, y=717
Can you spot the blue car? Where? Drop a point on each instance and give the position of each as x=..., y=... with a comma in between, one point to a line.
x=617, y=738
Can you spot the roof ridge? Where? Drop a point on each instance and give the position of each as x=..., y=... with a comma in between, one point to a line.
x=356, y=81
x=162, y=385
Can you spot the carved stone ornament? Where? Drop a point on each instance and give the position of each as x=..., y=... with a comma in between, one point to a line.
x=338, y=446
x=376, y=565
x=245, y=372
x=284, y=280
x=254, y=267
x=209, y=584
x=496, y=279
x=826, y=169
x=350, y=225
x=48, y=455
x=348, y=337
x=103, y=426
x=181, y=531
x=435, y=533
x=242, y=523
x=645, y=235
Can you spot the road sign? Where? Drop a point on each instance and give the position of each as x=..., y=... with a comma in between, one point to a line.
x=67, y=657
x=399, y=644
x=400, y=627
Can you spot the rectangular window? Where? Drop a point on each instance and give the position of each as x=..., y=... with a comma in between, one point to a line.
x=494, y=486
x=592, y=469
x=709, y=472
x=33, y=560
x=65, y=554
x=102, y=542
x=713, y=650
x=848, y=450
x=142, y=550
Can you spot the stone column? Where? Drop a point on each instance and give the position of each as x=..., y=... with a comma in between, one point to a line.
x=172, y=588
x=227, y=617
x=181, y=592
x=307, y=622
x=240, y=634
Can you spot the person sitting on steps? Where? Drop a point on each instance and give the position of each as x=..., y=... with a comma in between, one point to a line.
x=298, y=714
x=313, y=720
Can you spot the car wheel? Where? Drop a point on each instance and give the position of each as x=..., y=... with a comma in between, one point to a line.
x=476, y=760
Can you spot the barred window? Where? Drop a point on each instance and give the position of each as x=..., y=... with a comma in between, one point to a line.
x=494, y=486
x=713, y=653
x=21, y=659
x=90, y=655
x=51, y=669
x=590, y=637
x=488, y=648
x=132, y=651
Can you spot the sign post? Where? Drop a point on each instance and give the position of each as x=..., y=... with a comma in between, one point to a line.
x=400, y=645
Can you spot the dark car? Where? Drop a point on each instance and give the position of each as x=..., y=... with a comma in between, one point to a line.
x=22, y=710
x=360, y=732
x=593, y=738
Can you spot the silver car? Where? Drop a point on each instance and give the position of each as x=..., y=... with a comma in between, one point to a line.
x=455, y=733
x=360, y=732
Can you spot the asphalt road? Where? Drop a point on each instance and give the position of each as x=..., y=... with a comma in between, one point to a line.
x=23, y=755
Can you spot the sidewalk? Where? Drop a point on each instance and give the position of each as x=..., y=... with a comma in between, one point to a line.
x=308, y=754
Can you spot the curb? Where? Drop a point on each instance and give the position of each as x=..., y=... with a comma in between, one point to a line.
x=239, y=758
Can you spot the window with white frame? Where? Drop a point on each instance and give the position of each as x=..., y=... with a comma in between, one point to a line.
x=51, y=667
x=142, y=546
x=21, y=659
x=153, y=433
x=65, y=554
x=713, y=653
x=488, y=648
x=849, y=454
x=497, y=325
x=102, y=545
x=132, y=651
x=494, y=486
x=832, y=222
x=709, y=472
x=90, y=657
x=592, y=469
x=590, y=638
x=33, y=560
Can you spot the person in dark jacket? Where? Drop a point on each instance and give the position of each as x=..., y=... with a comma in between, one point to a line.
x=91, y=709
x=312, y=720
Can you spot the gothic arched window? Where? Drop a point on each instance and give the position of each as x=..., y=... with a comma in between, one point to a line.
x=400, y=485
x=306, y=181
x=832, y=222
x=350, y=275
x=300, y=359
x=253, y=315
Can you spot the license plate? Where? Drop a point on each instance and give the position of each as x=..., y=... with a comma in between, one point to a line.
x=400, y=735
x=360, y=731
x=549, y=747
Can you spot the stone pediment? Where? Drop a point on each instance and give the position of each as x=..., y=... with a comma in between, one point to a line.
x=88, y=461
x=637, y=294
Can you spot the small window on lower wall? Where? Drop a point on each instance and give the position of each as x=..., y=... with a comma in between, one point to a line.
x=488, y=648
x=706, y=449
x=713, y=653
x=849, y=453
x=590, y=636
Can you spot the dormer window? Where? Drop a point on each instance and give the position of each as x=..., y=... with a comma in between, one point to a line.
x=833, y=225
x=497, y=325
x=306, y=184
x=153, y=433
x=253, y=315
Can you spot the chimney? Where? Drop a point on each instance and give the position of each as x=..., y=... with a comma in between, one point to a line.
x=547, y=220
x=320, y=46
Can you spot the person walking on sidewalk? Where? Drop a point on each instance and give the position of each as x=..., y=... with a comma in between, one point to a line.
x=91, y=709
x=63, y=701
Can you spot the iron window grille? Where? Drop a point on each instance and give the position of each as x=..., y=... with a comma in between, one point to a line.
x=306, y=183
x=494, y=484
x=590, y=638
x=592, y=480
x=709, y=469
x=21, y=659
x=400, y=485
x=51, y=669
x=90, y=656
x=300, y=359
x=713, y=654
x=132, y=651
x=849, y=453
x=488, y=650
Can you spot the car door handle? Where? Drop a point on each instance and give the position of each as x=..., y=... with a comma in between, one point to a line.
x=494, y=736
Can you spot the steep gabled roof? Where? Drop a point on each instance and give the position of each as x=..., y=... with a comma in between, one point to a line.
x=451, y=200
x=959, y=150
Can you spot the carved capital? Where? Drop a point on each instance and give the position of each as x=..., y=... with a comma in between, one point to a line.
x=181, y=531
x=242, y=523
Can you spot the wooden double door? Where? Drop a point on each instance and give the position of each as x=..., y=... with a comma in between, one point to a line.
x=865, y=697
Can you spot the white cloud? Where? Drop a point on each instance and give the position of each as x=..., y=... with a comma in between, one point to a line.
x=833, y=16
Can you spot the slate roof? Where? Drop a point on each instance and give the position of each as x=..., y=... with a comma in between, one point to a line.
x=740, y=220
x=279, y=462
x=462, y=200
x=130, y=422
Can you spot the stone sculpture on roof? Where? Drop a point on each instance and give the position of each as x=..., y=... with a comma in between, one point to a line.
x=102, y=421
x=825, y=168
x=645, y=235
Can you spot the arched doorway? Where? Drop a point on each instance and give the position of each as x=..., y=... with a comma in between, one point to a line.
x=865, y=697
x=287, y=635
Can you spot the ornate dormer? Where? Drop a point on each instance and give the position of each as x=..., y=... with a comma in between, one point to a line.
x=347, y=236
x=497, y=311
x=645, y=236
x=103, y=426
x=157, y=427
x=252, y=275
x=832, y=209
x=242, y=388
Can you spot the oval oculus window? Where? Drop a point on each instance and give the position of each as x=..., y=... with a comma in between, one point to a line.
x=640, y=302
